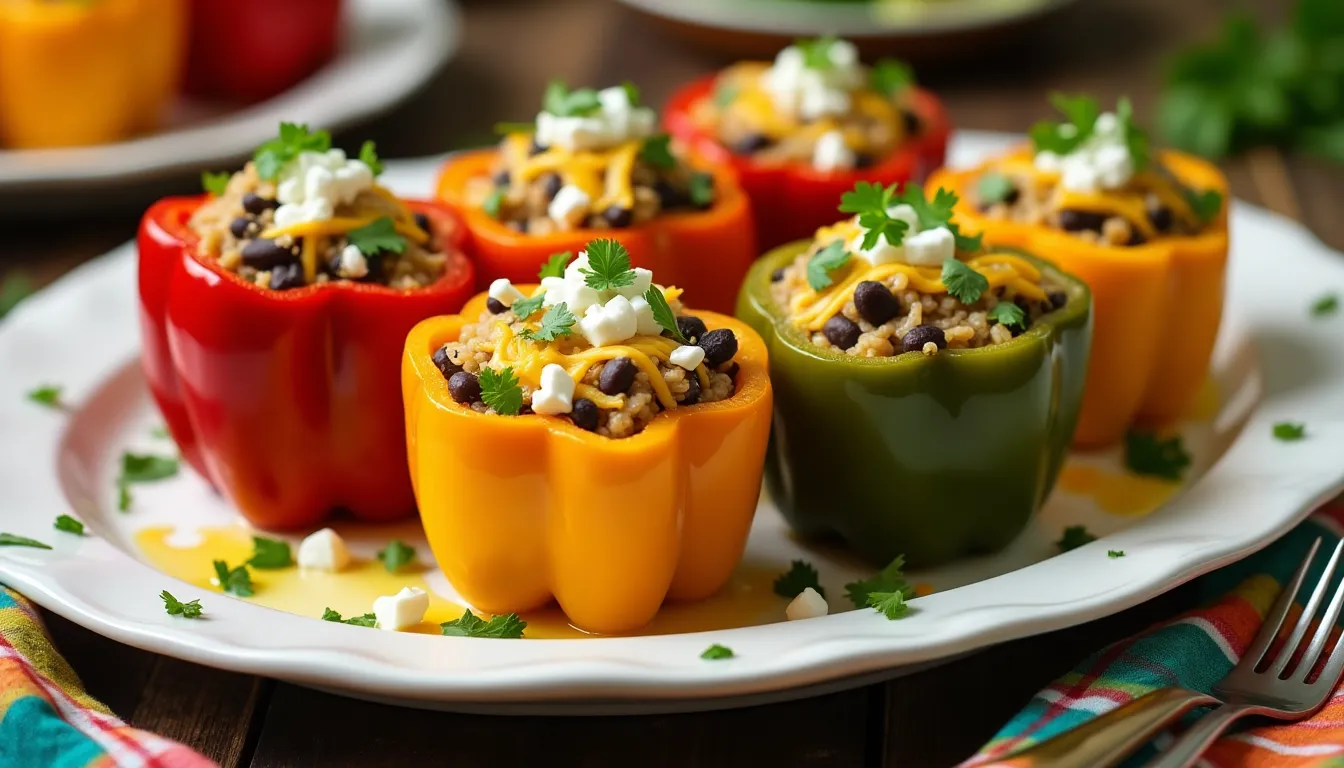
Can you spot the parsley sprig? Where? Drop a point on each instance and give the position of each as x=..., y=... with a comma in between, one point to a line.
x=175, y=607
x=1080, y=124
x=657, y=152
x=216, y=183
x=1326, y=305
x=1008, y=314
x=717, y=652
x=608, y=266
x=395, y=555
x=662, y=313
x=142, y=468
x=800, y=576
x=68, y=524
x=557, y=323
x=562, y=102
x=377, y=236
x=890, y=579
x=272, y=157
x=1074, y=536
x=503, y=627
x=13, y=290
x=890, y=77
x=368, y=155
x=1288, y=431
x=365, y=620
x=1148, y=454
x=500, y=390
x=236, y=580
x=48, y=395
x=962, y=282
x=824, y=262
x=889, y=604
x=1205, y=204
x=817, y=52
x=871, y=201
x=525, y=308
x=270, y=554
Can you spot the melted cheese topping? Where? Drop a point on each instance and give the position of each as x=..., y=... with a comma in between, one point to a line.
x=1129, y=203
x=606, y=176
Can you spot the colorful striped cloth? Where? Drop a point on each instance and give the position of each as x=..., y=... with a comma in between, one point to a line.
x=47, y=720
x=1196, y=650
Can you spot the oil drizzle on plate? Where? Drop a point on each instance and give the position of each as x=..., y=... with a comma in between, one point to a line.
x=1119, y=493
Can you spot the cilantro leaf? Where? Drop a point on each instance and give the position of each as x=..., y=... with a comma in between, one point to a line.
x=1074, y=537
x=368, y=155
x=662, y=313
x=506, y=128
x=503, y=627
x=235, y=580
x=1289, y=431
x=817, y=52
x=608, y=266
x=146, y=468
x=890, y=77
x=562, y=102
x=717, y=652
x=47, y=394
x=824, y=262
x=724, y=94
x=366, y=620
x=1147, y=454
x=657, y=151
x=272, y=157
x=500, y=390
x=525, y=308
x=1081, y=113
x=14, y=540
x=377, y=236
x=555, y=265
x=12, y=291
x=1008, y=314
x=631, y=93
x=867, y=197
x=994, y=187
x=937, y=213
x=175, y=607
x=396, y=554
x=69, y=524
x=492, y=202
x=1136, y=139
x=1114, y=553
x=800, y=576
x=269, y=554
x=215, y=183
x=889, y=579
x=1206, y=204
x=702, y=189
x=889, y=604
x=558, y=322
x=962, y=282
x=1327, y=304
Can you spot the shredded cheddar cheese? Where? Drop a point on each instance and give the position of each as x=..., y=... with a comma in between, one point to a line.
x=403, y=220
x=606, y=176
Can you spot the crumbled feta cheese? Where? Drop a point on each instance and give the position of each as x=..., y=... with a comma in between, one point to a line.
x=603, y=319
x=314, y=184
x=687, y=356
x=569, y=206
x=353, y=263
x=610, y=323
x=323, y=550
x=807, y=605
x=556, y=394
x=643, y=279
x=931, y=247
x=923, y=248
x=576, y=295
x=645, y=324
x=1101, y=162
x=617, y=122
x=317, y=209
x=831, y=153
x=905, y=212
x=402, y=610
x=502, y=290
x=797, y=89
x=817, y=100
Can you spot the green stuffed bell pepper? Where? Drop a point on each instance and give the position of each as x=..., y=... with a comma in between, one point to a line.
x=925, y=390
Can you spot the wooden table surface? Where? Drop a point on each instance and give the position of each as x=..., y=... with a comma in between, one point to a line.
x=935, y=717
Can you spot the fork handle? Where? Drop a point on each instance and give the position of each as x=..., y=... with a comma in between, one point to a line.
x=1200, y=736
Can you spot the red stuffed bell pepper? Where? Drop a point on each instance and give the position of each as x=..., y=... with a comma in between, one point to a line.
x=801, y=131
x=250, y=50
x=274, y=313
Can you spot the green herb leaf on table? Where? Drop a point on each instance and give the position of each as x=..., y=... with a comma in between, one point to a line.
x=662, y=313
x=69, y=524
x=377, y=236
x=175, y=607
x=1148, y=454
x=555, y=265
x=993, y=187
x=724, y=94
x=123, y=496
x=365, y=620
x=396, y=554
x=502, y=627
x=657, y=151
x=1206, y=204
x=1114, y=553
x=701, y=189
x=236, y=580
x=1008, y=314
x=505, y=128
x=558, y=322
x=14, y=540
x=962, y=282
x=216, y=183
x=368, y=155
x=889, y=604
x=717, y=652
x=889, y=579
x=146, y=468
x=890, y=77
x=817, y=52
x=270, y=554
x=608, y=266
x=500, y=390
x=824, y=262
x=1074, y=537
x=1289, y=431
x=800, y=576
x=562, y=102
x=47, y=394
x=12, y=291
x=1326, y=305
x=525, y=308
x=272, y=157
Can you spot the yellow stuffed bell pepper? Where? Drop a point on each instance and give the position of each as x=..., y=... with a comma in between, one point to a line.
x=522, y=509
x=77, y=72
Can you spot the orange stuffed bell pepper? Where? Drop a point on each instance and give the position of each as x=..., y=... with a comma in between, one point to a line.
x=74, y=73
x=591, y=166
x=801, y=131
x=610, y=462
x=1147, y=233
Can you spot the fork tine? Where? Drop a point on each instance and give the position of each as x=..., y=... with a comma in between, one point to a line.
x=1334, y=667
x=1322, y=636
x=1304, y=620
x=1278, y=612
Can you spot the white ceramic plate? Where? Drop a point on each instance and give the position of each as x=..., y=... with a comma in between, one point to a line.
x=391, y=47
x=1273, y=363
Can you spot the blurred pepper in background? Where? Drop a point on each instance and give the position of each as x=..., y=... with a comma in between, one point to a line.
x=251, y=50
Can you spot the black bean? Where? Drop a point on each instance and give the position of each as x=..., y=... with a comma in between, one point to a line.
x=551, y=185
x=617, y=376
x=265, y=254
x=719, y=344
x=464, y=387
x=864, y=159
x=1025, y=305
x=1160, y=216
x=692, y=395
x=917, y=337
x=286, y=276
x=669, y=197
x=777, y=275
x=1057, y=299
x=536, y=148
x=495, y=306
x=618, y=217
x=1078, y=221
x=501, y=178
x=912, y=121
x=584, y=414
x=875, y=302
x=691, y=327
x=422, y=221
x=445, y=363
x=256, y=204
x=751, y=144
x=242, y=226
x=841, y=331
x=1135, y=236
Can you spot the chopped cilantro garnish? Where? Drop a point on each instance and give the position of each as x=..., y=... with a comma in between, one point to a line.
x=937, y=213
x=525, y=308
x=662, y=313
x=47, y=394
x=504, y=627
x=1147, y=454
x=1008, y=314
x=500, y=390
x=366, y=620
x=889, y=579
x=889, y=604
x=555, y=265
x=800, y=576
x=123, y=496
x=1288, y=431
x=215, y=182
x=657, y=151
x=1206, y=204
x=69, y=524
x=702, y=189
x=14, y=540
x=1114, y=553
x=558, y=322
x=871, y=201
x=377, y=236
x=993, y=187
x=368, y=155
x=272, y=157
x=824, y=262
x=816, y=52
x=12, y=291
x=962, y=282
x=396, y=554
x=562, y=102
x=505, y=128
x=235, y=580
x=891, y=77
x=608, y=266
x=1325, y=305
x=631, y=93
x=269, y=554
x=724, y=94
x=492, y=202
x=1081, y=113
x=716, y=652
x=175, y=607
x=1136, y=140
x=1074, y=537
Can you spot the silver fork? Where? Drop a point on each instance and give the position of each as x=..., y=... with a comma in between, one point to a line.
x=1273, y=692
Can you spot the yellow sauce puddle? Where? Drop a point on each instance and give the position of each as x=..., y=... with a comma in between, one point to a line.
x=1117, y=493
x=747, y=600
x=1207, y=402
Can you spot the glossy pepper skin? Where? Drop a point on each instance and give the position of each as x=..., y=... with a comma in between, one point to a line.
x=520, y=509
x=929, y=457
x=250, y=50
x=288, y=402
x=78, y=73
x=1157, y=305
x=704, y=252
x=789, y=202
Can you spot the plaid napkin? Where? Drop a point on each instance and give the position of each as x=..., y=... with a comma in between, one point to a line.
x=47, y=720
x=1195, y=651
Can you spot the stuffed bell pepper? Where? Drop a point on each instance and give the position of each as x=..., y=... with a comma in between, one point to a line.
x=802, y=130
x=594, y=165
x=588, y=440
x=1146, y=231
x=925, y=387
x=274, y=311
